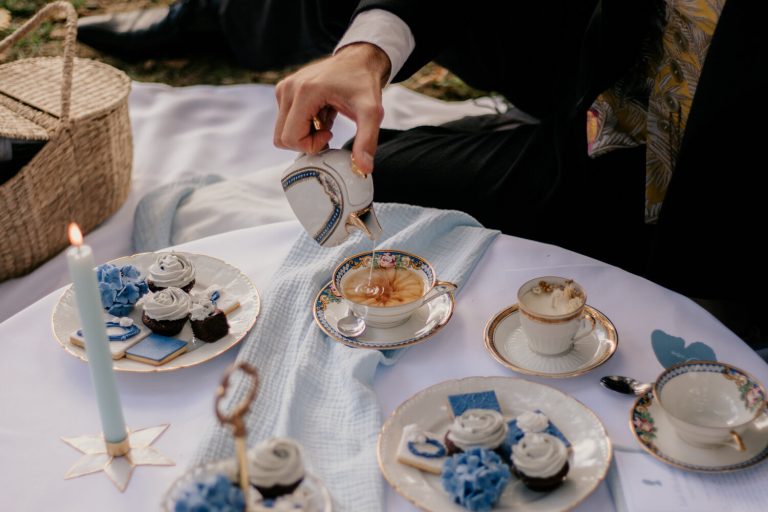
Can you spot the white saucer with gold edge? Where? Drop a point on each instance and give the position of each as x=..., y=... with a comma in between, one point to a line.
x=429, y=409
x=656, y=435
x=234, y=283
x=506, y=341
x=328, y=308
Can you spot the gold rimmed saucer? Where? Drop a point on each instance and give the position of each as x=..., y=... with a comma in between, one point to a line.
x=592, y=450
x=507, y=343
x=209, y=271
x=656, y=435
x=424, y=323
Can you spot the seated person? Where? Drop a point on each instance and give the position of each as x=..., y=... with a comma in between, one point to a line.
x=641, y=154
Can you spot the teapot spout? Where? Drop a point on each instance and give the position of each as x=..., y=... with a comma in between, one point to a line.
x=365, y=220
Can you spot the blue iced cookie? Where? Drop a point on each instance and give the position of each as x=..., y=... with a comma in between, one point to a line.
x=156, y=349
x=480, y=400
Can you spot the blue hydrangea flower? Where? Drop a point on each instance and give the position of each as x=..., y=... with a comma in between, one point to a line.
x=475, y=479
x=120, y=288
x=215, y=493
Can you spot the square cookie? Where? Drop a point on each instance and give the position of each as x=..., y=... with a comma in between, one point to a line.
x=421, y=449
x=121, y=338
x=156, y=349
x=480, y=400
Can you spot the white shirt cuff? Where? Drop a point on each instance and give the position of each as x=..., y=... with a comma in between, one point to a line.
x=385, y=30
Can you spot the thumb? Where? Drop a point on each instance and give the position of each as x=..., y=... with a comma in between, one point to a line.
x=367, y=138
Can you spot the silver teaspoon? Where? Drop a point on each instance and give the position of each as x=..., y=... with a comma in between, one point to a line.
x=351, y=326
x=625, y=385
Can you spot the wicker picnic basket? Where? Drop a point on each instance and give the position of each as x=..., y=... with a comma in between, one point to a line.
x=79, y=109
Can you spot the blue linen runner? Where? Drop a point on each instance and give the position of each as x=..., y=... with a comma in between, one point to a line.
x=318, y=391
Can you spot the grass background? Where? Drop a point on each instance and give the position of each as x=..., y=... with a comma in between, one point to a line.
x=431, y=80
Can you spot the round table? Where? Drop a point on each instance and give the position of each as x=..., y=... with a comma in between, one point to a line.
x=46, y=393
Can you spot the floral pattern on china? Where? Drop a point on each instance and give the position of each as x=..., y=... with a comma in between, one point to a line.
x=643, y=422
x=750, y=391
x=386, y=259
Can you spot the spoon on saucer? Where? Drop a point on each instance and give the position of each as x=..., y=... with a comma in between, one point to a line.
x=625, y=385
x=351, y=326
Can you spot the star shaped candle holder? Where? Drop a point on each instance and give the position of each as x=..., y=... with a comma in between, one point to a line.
x=117, y=460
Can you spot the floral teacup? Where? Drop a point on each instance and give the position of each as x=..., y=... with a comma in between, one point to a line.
x=711, y=404
x=385, y=316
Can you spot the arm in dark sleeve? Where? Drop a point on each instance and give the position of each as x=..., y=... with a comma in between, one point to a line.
x=432, y=22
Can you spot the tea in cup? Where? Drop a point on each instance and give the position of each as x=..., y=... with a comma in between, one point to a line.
x=710, y=404
x=552, y=314
x=386, y=288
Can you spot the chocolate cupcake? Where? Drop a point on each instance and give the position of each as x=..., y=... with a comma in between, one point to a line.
x=209, y=323
x=171, y=269
x=478, y=428
x=166, y=311
x=540, y=461
x=275, y=467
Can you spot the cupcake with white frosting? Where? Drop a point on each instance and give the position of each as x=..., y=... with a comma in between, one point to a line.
x=171, y=269
x=275, y=467
x=541, y=461
x=209, y=323
x=166, y=311
x=532, y=422
x=478, y=428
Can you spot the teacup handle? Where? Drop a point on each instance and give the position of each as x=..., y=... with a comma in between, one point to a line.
x=440, y=288
x=761, y=422
x=736, y=442
x=586, y=316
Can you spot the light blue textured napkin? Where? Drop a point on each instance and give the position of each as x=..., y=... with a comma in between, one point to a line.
x=153, y=218
x=318, y=391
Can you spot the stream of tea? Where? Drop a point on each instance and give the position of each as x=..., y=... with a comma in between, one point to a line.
x=391, y=286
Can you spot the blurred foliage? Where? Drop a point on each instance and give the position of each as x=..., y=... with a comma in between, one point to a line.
x=215, y=69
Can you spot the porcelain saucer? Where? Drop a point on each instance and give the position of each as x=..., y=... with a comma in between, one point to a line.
x=64, y=320
x=507, y=343
x=653, y=431
x=426, y=321
x=430, y=410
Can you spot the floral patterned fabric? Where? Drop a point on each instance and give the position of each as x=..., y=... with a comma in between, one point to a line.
x=654, y=110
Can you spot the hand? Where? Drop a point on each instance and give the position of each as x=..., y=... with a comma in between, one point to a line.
x=349, y=83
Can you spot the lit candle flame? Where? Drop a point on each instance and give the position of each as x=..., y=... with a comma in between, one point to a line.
x=75, y=235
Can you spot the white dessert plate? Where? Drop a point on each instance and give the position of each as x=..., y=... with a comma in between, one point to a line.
x=430, y=410
x=652, y=429
x=425, y=322
x=209, y=271
x=311, y=491
x=507, y=343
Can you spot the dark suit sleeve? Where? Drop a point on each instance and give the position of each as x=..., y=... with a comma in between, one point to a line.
x=431, y=22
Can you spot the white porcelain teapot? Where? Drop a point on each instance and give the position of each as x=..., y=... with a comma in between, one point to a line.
x=330, y=198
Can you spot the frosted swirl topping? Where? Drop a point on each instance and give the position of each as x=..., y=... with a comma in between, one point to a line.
x=539, y=455
x=481, y=428
x=168, y=304
x=276, y=461
x=201, y=310
x=531, y=421
x=171, y=269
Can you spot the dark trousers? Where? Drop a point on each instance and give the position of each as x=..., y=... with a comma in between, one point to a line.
x=504, y=171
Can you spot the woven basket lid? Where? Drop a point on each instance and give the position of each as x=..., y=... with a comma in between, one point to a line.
x=30, y=94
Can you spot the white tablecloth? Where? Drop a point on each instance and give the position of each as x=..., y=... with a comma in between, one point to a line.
x=46, y=393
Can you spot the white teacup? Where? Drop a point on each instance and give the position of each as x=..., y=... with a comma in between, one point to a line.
x=710, y=404
x=553, y=330
x=390, y=316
